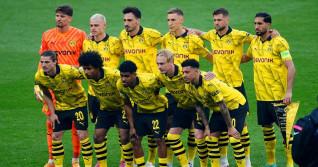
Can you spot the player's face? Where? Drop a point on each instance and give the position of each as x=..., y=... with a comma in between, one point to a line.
x=131, y=22
x=91, y=72
x=128, y=79
x=163, y=65
x=48, y=65
x=174, y=22
x=188, y=74
x=220, y=21
x=97, y=27
x=261, y=27
x=62, y=19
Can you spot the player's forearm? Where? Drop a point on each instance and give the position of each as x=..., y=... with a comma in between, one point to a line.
x=199, y=109
x=225, y=113
x=209, y=57
x=129, y=113
x=49, y=101
x=290, y=79
x=245, y=59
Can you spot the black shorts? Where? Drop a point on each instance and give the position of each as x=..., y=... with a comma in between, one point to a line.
x=172, y=104
x=242, y=90
x=266, y=113
x=182, y=118
x=93, y=107
x=152, y=123
x=198, y=124
x=106, y=119
x=78, y=115
x=217, y=123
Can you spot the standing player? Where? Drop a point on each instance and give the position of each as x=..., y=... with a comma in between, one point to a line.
x=66, y=41
x=227, y=104
x=149, y=115
x=70, y=105
x=140, y=47
x=110, y=49
x=184, y=47
x=102, y=81
x=274, y=74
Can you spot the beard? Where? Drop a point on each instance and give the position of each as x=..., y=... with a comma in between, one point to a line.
x=261, y=33
x=220, y=29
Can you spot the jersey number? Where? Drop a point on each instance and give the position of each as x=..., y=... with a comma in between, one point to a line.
x=79, y=116
x=155, y=124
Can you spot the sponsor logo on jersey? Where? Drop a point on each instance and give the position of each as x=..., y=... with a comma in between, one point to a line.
x=263, y=60
x=223, y=52
x=64, y=52
x=106, y=58
x=177, y=55
x=135, y=51
x=105, y=94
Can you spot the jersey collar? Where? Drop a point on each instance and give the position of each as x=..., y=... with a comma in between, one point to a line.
x=57, y=71
x=139, y=32
x=176, y=71
x=227, y=32
x=183, y=35
x=200, y=81
x=268, y=39
x=105, y=39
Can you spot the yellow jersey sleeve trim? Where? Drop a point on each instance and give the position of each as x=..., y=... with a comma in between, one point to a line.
x=285, y=54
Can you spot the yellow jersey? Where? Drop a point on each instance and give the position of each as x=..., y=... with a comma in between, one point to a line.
x=227, y=54
x=105, y=89
x=109, y=48
x=68, y=92
x=142, y=48
x=176, y=86
x=184, y=47
x=213, y=91
x=270, y=73
x=143, y=94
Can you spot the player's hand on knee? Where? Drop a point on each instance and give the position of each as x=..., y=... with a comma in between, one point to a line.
x=207, y=133
x=287, y=98
x=132, y=132
x=38, y=93
x=234, y=133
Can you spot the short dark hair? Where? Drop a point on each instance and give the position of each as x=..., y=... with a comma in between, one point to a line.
x=190, y=62
x=50, y=53
x=67, y=9
x=267, y=17
x=223, y=11
x=91, y=58
x=175, y=10
x=130, y=9
x=128, y=66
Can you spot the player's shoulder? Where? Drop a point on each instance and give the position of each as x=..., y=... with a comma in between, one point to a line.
x=123, y=33
x=239, y=32
x=49, y=31
x=211, y=32
x=279, y=39
x=77, y=30
x=111, y=71
x=193, y=37
x=39, y=74
x=151, y=31
x=113, y=39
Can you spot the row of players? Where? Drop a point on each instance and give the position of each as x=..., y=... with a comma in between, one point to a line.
x=272, y=61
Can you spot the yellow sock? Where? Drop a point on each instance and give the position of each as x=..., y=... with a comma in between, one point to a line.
x=287, y=149
x=128, y=154
x=162, y=162
x=140, y=162
x=87, y=152
x=58, y=153
x=101, y=154
x=169, y=150
x=223, y=142
x=214, y=151
x=192, y=146
x=152, y=147
x=177, y=148
x=239, y=153
x=270, y=144
x=202, y=152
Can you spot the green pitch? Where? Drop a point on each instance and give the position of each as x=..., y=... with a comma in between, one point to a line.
x=23, y=125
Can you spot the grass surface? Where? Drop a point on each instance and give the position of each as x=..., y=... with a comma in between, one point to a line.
x=23, y=125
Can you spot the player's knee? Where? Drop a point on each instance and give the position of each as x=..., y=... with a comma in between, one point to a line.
x=56, y=136
x=136, y=142
x=98, y=138
x=160, y=141
x=82, y=134
x=124, y=139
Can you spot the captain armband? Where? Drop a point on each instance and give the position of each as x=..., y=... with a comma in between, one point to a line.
x=285, y=54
